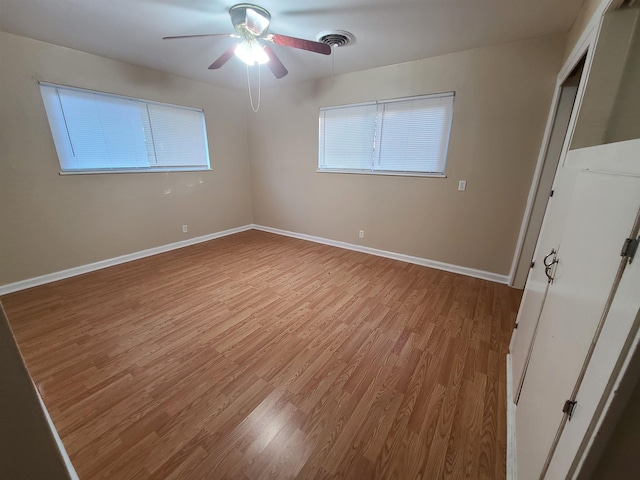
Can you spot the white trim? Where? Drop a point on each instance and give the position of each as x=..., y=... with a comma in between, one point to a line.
x=535, y=182
x=448, y=267
x=380, y=172
x=588, y=36
x=584, y=45
x=63, y=451
x=72, y=272
x=533, y=190
x=512, y=472
x=135, y=170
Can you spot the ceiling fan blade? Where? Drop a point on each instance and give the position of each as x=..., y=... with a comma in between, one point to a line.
x=222, y=59
x=300, y=43
x=202, y=35
x=255, y=22
x=274, y=64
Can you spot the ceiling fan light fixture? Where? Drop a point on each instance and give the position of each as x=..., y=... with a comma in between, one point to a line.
x=251, y=53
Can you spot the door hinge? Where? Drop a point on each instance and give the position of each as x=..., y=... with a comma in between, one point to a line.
x=552, y=192
x=515, y=327
x=569, y=407
x=532, y=264
x=629, y=248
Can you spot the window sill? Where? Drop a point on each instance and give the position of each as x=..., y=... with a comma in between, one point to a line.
x=135, y=170
x=386, y=173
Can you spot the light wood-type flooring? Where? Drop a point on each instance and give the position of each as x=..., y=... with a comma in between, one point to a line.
x=259, y=356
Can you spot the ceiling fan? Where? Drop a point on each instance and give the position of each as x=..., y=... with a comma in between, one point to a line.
x=251, y=23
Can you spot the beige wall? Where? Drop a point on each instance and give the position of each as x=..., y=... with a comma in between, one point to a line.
x=587, y=11
x=610, y=110
x=503, y=96
x=624, y=123
x=50, y=222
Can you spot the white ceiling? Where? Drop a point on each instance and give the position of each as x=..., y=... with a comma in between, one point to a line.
x=386, y=31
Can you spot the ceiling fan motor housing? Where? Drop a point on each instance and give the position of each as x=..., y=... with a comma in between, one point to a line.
x=238, y=15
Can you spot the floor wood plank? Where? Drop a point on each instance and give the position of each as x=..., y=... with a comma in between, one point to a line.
x=258, y=356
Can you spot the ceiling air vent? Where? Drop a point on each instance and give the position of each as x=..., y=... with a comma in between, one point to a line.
x=336, y=38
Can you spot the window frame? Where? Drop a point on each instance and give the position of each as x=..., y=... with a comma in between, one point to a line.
x=376, y=150
x=206, y=166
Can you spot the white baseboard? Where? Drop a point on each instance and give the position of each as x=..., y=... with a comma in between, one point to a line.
x=72, y=272
x=470, y=272
x=512, y=472
x=63, y=451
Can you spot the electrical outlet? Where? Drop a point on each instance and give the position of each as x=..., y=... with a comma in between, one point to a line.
x=361, y=234
x=184, y=229
x=462, y=185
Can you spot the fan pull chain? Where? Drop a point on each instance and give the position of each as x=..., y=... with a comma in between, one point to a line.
x=333, y=60
x=256, y=108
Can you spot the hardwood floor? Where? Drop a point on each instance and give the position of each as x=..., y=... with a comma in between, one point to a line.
x=258, y=356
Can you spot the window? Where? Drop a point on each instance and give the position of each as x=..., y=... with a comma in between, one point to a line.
x=102, y=133
x=407, y=136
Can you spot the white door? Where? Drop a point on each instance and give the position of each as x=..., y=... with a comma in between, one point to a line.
x=596, y=393
x=536, y=288
x=600, y=215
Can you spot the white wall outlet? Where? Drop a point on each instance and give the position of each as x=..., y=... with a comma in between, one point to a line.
x=361, y=234
x=184, y=229
x=462, y=185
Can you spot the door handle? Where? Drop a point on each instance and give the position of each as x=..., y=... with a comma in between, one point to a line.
x=548, y=265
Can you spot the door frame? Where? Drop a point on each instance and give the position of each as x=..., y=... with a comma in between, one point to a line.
x=582, y=49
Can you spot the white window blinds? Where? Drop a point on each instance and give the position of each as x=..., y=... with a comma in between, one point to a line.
x=351, y=134
x=406, y=136
x=97, y=132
